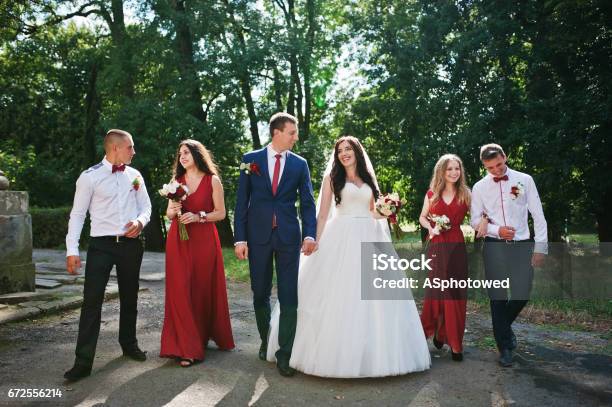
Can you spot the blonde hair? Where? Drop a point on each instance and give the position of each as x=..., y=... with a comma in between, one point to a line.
x=438, y=181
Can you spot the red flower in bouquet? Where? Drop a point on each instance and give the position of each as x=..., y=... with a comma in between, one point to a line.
x=176, y=192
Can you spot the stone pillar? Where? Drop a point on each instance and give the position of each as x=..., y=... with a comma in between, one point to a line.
x=16, y=268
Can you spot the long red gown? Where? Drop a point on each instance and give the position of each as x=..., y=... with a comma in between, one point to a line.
x=446, y=310
x=196, y=298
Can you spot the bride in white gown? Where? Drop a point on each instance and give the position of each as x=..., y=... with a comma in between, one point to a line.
x=338, y=334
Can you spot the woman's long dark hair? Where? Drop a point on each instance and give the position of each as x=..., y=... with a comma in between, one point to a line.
x=201, y=157
x=338, y=173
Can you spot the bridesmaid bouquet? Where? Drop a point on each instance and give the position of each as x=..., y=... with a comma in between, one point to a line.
x=441, y=224
x=389, y=205
x=176, y=192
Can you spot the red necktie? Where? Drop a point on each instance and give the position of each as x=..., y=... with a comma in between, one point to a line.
x=118, y=168
x=276, y=174
x=275, y=184
x=497, y=179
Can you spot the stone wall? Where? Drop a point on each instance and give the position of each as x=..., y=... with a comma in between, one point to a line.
x=16, y=267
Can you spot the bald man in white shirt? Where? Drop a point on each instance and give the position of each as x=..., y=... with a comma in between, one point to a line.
x=505, y=197
x=116, y=198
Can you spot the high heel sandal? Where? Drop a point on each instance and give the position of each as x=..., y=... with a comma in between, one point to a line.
x=187, y=362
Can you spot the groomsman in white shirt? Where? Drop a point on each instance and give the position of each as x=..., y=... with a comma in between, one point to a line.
x=119, y=208
x=505, y=197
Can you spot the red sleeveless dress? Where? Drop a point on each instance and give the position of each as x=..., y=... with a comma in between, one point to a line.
x=445, y=311
x=196, y=307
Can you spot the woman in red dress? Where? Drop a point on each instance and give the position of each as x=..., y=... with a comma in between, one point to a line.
x=443, y=315
x=196, y=297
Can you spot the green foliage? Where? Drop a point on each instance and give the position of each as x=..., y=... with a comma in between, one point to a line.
x=451, y=76
x=437, y=77
x=50, y=226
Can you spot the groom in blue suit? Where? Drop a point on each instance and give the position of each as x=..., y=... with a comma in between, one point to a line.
x=266, y=227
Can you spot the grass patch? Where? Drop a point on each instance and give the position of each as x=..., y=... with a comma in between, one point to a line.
x=584, y=238
x=488, y=342
x=237, y=270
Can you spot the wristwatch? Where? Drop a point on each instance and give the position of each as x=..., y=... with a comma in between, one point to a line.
x=202, y=216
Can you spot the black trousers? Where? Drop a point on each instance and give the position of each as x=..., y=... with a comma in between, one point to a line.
x=512, y=261
x=102, y=255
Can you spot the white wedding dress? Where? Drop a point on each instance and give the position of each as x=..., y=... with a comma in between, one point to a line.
x=338, y=334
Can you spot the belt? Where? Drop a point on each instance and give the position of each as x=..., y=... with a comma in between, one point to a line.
x=116, y=239
x=492, y=239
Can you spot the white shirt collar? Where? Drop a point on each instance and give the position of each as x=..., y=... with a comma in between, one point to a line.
x=107, y=164
x=272, y=152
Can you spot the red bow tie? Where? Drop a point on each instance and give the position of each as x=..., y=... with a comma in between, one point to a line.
x=118, y=168
x=497, y=179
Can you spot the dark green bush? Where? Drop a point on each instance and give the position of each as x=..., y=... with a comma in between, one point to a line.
x=50, y=225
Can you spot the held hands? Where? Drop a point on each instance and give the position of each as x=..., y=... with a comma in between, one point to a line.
x=133, y=229
x=309, y=247
x=73, y=264
x=506, y=232
x=242, y=251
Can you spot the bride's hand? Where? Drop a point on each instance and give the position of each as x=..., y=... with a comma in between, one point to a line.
x=308, y=247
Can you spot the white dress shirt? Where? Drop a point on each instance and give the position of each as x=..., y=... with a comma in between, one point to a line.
x=112, y=202
x=272, y=162
x=503, y=208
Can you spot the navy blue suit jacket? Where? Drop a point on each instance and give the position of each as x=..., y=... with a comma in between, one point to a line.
x=255, y=204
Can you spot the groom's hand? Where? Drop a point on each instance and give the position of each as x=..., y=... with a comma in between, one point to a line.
x=242, y=251
x=133, y=229
x=309, y=246
x=73, y=264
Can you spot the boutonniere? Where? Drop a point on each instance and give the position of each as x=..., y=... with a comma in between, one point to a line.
x=517, y=190
x=136, y=183
x=249, y=168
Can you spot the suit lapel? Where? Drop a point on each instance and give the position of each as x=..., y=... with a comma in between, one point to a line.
x=286, y=170
x=263, y=164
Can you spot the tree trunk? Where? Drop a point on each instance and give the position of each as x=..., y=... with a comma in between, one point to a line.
x=604, y=226
x=92, y=108
x=242, y=72
x=307, y=60
x=245, y=86
x=189, y=78
x=121, y=52
x=278, y=91
x=191, y=88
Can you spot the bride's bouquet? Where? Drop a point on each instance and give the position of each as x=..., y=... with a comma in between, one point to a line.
x=389, y=205
x=176, y=192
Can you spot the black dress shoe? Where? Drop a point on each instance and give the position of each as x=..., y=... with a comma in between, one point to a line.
x=284, y=369
x=457, y=357
x=135, y=353
x=263, y=351
x=437, y=343
x=77, y=373
x=512, y=340
x=505, y=358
